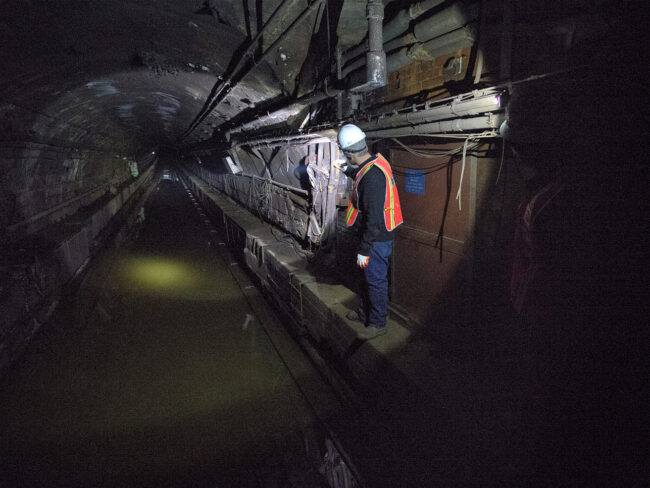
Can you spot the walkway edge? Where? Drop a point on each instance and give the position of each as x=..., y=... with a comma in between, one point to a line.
x=317, y=308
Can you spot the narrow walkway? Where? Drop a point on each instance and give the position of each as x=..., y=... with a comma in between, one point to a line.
x=157, y=374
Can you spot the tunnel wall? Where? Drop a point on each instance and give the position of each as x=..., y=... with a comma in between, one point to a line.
x=457, y=218
x=268, y=201
x=301, y=200
x=35, y=270
x=43, y=183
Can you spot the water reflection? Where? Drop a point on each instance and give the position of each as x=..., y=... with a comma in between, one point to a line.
x=171, y=381
x=169, y=277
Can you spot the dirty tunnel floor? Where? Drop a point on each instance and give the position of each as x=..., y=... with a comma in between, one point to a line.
x=156, y=373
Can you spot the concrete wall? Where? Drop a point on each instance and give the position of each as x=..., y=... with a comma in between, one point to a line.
x=35, y=269
x=43, y=183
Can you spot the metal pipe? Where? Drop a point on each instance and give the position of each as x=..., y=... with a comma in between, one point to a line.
x=402, y=20
x=448, y=20
x=252, y=46
x=441, y=23
x=488, y=101
x=406, y=40
x=284, y=140
x=444, y=23
x=223, y=84
x=339, y=75
x=452, y=41
x=315, y=97
x=397, y=60
x=441, y=31
x=280, y=115
x=457, y=39
x=328, y=132
x=271, y=181
x=375, y=57
x=396, y=25
x=375, y=30
x=276, y=183
x=488, y=121
x=229, y=84
x=305, y=13
x=359, y=63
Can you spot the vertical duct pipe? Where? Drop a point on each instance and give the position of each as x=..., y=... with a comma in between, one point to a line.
x=396, y=26
x=375, y=57
x=439, y=29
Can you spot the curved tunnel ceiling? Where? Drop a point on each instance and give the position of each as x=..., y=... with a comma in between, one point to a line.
x=127, y=75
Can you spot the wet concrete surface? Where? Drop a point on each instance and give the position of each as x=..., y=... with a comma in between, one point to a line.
x=157, y=373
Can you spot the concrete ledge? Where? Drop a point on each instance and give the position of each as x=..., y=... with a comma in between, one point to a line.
x=451, y=420
x=318, y=308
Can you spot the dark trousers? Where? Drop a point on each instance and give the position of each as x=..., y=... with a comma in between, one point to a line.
x=373, y=309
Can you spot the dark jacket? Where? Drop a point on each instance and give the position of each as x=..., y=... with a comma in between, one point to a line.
x=372, y=194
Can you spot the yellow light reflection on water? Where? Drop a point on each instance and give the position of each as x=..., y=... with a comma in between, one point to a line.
x=173, y=278
x=161, y=274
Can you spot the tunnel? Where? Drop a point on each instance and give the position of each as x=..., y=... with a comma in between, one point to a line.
x=178, y=275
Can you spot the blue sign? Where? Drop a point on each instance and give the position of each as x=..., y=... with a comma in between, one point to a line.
x=415, y=181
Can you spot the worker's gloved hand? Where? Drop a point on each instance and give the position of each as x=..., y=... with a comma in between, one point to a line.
x=340, y=164
x=362, y=261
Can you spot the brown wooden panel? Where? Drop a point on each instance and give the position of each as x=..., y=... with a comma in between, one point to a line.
x=426, y=279
x=423, y=285
x=427, y=211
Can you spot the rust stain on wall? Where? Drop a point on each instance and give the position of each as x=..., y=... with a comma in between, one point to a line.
x=421, y=76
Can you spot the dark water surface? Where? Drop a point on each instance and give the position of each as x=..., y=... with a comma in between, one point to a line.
x=157, y=373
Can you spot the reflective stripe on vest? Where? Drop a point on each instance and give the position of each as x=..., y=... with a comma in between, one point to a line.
x=392, y=209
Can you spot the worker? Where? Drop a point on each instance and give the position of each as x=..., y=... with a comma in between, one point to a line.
x=374, y=204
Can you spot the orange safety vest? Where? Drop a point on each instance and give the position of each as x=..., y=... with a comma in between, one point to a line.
x=392, y=209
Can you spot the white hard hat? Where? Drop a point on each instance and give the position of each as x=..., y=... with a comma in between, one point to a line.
x=352, y=139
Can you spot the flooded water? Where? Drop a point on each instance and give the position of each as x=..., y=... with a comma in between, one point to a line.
x=157, y=373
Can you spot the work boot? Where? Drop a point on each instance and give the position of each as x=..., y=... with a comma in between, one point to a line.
x=372, y=332
x=354, y=316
